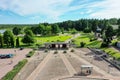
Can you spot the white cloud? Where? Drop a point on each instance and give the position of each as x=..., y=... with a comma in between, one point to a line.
x=110, y=9
x=52, y=8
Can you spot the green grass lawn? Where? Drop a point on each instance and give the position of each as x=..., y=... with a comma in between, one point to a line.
x=62, y=38
x=85, y=37
x=112, y=52
x=42, y=39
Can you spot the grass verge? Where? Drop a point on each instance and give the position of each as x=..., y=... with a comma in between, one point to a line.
x=10, y=75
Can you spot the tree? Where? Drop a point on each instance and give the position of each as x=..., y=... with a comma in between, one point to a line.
x=73, y=31
x=16, y=30
x=48, y=30
x=55, y=29
x=17, y=42
x=29, y=37
x=1, y=41
x=8, y=38
x=109, y=33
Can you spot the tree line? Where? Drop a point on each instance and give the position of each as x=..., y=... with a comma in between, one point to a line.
x=85, y=25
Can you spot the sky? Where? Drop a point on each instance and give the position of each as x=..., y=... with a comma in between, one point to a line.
x=51, y=11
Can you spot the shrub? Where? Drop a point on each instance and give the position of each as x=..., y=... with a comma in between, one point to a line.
x=30, y=54
x=93, y=39
x=82, y=44
x=64, y=51
x=10, y=75
x=115, y=44
x=46, y=50
x=72, y=50
x=104, y=44
x=56, y=52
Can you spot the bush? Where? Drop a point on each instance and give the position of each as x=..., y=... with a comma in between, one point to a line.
x=82, y=44
x=46, y=50
x=104, y=44
x=64, y=51
x=93, y=39
x=56, y=52
x=30, y=54
x=72, y=50
x=115, y=44
x=10, y=75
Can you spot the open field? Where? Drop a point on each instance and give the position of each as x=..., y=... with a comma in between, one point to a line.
x=42, y=39
x=61, y=38
x=7, y=64
x=85, y=37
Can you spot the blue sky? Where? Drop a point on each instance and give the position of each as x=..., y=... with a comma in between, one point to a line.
x=38, y=11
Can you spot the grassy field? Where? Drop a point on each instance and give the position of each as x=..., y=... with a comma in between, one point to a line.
x=62, y=38
x=85, y=37
x=112, y=52
x=42, y=39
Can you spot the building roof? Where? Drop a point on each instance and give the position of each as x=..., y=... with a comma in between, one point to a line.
x=81, y=78
x=115, y=26
x=56, y=43
x=86, y=66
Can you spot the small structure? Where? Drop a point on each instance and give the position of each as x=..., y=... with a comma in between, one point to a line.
x=98, y=32
x=86, y=69
x=57, y=45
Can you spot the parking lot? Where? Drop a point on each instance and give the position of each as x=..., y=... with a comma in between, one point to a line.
x=7, y=64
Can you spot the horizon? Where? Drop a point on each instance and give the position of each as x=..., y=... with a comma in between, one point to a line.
x=35, y=12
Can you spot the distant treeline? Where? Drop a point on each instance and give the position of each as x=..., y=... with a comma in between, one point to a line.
x=79, y=25
x=4, y=26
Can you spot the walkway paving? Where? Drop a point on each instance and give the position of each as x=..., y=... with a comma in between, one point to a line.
x=97, y=69
x=68, y=64
x=35, y=73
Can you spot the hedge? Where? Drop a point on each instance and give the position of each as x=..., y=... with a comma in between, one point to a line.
x=30, y=54
x=11, y=74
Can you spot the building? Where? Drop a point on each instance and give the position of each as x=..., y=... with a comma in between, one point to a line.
x=57, y=45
